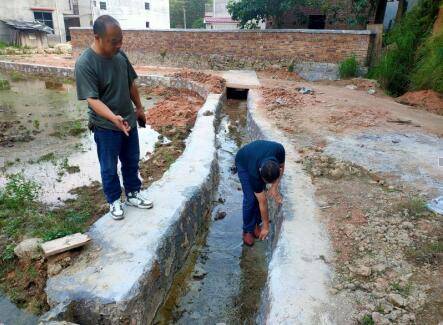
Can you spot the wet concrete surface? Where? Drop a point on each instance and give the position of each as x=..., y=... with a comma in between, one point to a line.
x=223, y=280
x=44, y=110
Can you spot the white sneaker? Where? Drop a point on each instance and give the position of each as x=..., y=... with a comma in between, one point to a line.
x=137, y=200
x=116, y=210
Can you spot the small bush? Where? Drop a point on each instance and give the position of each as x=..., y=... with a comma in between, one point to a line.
x=400, y=56
x=348, y=68
x=367, y=320
x=291, y=67
x=18, y=192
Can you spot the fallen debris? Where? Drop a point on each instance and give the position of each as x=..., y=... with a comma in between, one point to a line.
x=63, y=244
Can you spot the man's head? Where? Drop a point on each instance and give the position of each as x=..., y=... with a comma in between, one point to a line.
x=270, y=171
x=108, y=35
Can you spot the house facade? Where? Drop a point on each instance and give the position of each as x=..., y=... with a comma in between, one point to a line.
x=134, y=14
x=59, y=15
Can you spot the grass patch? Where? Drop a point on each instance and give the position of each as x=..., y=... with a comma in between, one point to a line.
x=426, y=253
x=17, y=76
x=402, y=290
x=70, y=128
x=21, y=215
x=348, y=68
x=48, y=157
x=415, y=207
x=367, y=320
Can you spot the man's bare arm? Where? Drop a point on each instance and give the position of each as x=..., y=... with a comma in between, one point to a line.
x=263, y=205
x=274, y=191
x=135, y=97
x=102, y=110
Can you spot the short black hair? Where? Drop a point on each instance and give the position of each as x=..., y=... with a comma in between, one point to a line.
x=102, y=22
x=270, y=171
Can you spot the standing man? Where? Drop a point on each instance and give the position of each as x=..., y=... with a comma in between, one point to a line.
x=105, y=79
x=259, y=163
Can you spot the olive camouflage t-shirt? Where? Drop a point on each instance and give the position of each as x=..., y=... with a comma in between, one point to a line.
x=109, y=80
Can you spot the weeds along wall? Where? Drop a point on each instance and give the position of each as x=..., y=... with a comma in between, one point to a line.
x=256, y=49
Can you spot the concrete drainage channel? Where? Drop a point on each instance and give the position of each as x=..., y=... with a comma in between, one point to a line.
x=163, y=266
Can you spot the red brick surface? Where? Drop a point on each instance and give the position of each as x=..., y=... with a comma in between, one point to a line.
x=233, y=48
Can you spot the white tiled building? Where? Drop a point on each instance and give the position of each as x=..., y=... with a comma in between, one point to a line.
x=134, y=14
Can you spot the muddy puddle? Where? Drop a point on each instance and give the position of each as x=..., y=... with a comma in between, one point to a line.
x=223, y=280
x=44, y=136
x=11, y=315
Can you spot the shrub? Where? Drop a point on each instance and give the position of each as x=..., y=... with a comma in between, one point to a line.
x=428, y=73
x=349, y=67
x=395, y=67
x=18, y=192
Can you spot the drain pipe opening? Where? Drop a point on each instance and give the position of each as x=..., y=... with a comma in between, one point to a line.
x=237, y=93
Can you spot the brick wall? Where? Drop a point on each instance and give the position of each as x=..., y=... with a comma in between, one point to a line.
x=236, y=49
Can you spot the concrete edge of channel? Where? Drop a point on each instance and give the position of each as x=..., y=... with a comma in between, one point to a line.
x=296, y=291
x=144, y=299
x=147, y=295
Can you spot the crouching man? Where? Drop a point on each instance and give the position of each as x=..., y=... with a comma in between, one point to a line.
x=259, y=163
x=105, y=79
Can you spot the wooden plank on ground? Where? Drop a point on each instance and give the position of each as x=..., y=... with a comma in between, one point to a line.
x=63, y=244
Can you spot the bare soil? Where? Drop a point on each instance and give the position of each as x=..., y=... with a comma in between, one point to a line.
x=428, y=100
x=387, y=245
x=215, y=84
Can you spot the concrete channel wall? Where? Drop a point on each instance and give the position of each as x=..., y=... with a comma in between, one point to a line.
x=124, y=275
x=298, y=276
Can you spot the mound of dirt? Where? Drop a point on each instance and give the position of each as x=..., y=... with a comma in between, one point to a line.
x=178, y=108
x=279, y=97
x=428, y=100
x=215, y=84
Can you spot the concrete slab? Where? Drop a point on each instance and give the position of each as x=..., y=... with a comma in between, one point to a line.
x=241, y=79
x=129, y=266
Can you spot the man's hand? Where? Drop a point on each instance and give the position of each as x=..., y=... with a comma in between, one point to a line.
x=264, y=232
x=141, y=117
x=275, y=194
x=121, y=124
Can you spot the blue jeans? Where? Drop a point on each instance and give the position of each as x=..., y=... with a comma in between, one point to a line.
x=251, y=210
x=112, y=145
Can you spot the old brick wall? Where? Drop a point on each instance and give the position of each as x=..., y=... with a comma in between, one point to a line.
x=236, y=49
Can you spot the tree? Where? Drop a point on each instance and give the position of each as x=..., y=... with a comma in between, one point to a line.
x=195, y=11
x=245, y=11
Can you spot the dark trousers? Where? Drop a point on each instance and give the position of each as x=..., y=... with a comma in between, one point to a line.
x=251, y=210
x=111, y=146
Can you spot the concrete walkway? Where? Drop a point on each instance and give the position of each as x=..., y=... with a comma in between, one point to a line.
x=241, y=79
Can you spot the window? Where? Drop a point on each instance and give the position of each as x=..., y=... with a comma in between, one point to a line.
x=103, y=5
x=44, y=17
x=147, y=24
x=147, y=6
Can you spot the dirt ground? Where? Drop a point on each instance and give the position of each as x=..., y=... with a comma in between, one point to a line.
x=387, y=245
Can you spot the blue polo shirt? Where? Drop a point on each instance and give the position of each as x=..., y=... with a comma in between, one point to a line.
x=251, y=157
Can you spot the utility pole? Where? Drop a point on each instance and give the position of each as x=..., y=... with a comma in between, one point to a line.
x=184, y=16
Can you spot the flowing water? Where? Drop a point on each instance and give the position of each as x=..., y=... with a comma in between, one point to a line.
x=223, y=280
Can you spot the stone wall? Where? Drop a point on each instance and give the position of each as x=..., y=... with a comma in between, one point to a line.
x=236, y=49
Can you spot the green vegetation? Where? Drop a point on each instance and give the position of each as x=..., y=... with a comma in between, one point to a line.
x=4, y=84
x=403, y=58
x=367, y=320
x=48, y=157
x=291, y=66
x=195, y=11
x=426, y=252
x=428, y=73
x=348, y=68
x=403, y=290
x=17, y=76
x=415, y=207
x=69, y=128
